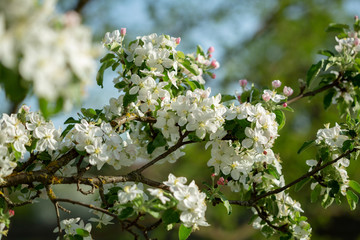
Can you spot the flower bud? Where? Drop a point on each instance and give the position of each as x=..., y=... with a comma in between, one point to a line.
x=210, y=55
x=211, y=49
x=11, y=212
x=243, y=82
x=285, y=104
x=178, y=40
x=213, y=76
x=215, y=64
x=276, y=83
x=123, y=31
x=288, y=91
x=221, y=181
x=356, y=18
x=266, y=97
x=213, y=175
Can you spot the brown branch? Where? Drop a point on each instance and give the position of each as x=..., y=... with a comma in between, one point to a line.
x=309, y=174
x=314, y=92
x=27, y=163
x=62, y=161
x=165, y=154
x=263, y=216
x=86, y=205
x=80, y=5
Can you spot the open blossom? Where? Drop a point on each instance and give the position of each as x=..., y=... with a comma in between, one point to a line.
x=331, y=136
x=243, y=82
x=273, y=96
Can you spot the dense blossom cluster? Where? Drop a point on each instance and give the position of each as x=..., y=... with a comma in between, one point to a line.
x=31, y=36
x=162, y=106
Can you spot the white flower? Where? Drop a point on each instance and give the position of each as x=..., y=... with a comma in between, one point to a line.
x=159, y=193
x=130, y=192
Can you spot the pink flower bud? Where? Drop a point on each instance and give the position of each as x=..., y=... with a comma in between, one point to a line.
x=213, y=76
x=285, y=104
x=239, y=98
x=123, y=31
x=213, y=175
x=266, y=97
x=356, y=18
x=356, y=42
x=276, y=83
x=221, y=181
x=243, y=82
x=211, y=49
x=11, y=212
x=215, y=64
x=210, y=55
x=162, y=98
x=25, y=108
x=178, y=40
x=288, y=91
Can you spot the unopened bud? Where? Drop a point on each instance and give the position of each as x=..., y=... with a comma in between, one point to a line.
x=210, y=55
x=11, y=212
x=211, y=49
x=123, y=31
x=213, y=76
x=221, y=181
x=288, y=91
x=284, y=104
x=215, y=64
x=213, y=175
x=178, y=40
x=356, y=18
x=276, y=83
x=266, y=97
x=243, y=82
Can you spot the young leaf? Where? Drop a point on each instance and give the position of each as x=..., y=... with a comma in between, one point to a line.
x=227, y=205
x=352, y=199
x=71, y=120
x=336, y=27
x=170, y=216
x=82, y=232
x=354, y=185
x=328, y=98
x=184, y=232
x=225, y=98
x=313, y=72
x=126, y=212
x=315, y=193
x=326, y=53
x=305, y=146
x=280, y=118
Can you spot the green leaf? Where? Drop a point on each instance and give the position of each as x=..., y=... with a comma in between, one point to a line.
x=184, y=232
x=126, y=213
x=272, y=170
x=89, y=112
x=326, y=53
x=170, y=216
x=180, y=54
x=305, y=145
x=120, y=85
x=301, y=184
x=71, y=120
x=225, y=98
x=354, y=185
x=226, y=203
x=327, y=201
x=352, y=199
x=191, y=84
x=348, y=145
x=337, y=27
x=159, y=141
x=315, y=193
x=313, y=72
x=128, y=98
x=335, y=188
x=82, y=232
x=189, y=66
x=328, y=98
x=199, y=50
x=100, y=74
x=107, y=57
x=280, y=118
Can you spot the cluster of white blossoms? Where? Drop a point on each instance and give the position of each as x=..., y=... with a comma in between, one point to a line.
x=349, y=45
x=71, y=226
x=22, y=132
x=131, y=191
x=32, y=34
x=191, y=201
x=331, y=137
x=101, y=143
x=195, y=110
x=263, y=130
x=334, y=139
